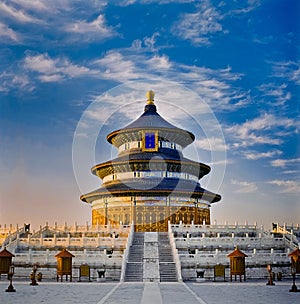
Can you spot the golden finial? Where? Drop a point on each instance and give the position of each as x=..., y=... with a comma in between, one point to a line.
x=150, y=97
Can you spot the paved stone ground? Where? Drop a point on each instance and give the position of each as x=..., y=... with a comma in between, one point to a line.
x=150, y=293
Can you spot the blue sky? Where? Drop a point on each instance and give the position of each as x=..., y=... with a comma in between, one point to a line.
x=73, y=71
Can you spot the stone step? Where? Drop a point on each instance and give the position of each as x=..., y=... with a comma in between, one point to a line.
x=134, y=267
x=134, y=272
x=167, y=268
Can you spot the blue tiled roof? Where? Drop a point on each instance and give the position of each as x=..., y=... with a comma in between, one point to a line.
x=150, y=119
x=153, y=186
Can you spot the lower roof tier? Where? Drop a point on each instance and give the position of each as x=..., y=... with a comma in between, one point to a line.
x=152, y=187
x=151, y=161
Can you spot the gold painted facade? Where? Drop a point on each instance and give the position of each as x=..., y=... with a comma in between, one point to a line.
x=150, y=218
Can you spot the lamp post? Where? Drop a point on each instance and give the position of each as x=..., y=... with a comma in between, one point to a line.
x=11, y=272
x=32, y=275
x=293, y=272
x=270, y=281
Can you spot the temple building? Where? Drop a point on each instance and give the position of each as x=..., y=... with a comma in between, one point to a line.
x=150, y=182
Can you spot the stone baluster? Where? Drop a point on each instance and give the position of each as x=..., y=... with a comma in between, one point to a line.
x=272, y=255
x=83, y=239
x=84, y=256
x=29, y=256
x=47, y=256
x=68, y=239
x=99, y=240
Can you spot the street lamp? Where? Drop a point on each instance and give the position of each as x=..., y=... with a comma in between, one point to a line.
x=270, y=281
x=293, y=272
x=32, y=275
x=11, y=272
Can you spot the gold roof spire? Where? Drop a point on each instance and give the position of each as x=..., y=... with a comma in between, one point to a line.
x=150, y=97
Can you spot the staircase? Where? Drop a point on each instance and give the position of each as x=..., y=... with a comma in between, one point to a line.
x=167, y=267
x=134, y=266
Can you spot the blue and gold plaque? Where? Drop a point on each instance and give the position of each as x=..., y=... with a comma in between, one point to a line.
x=150, y=141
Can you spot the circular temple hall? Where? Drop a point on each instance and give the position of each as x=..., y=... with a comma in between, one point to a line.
x=150, y=182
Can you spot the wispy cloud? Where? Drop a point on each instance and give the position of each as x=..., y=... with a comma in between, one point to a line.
x=286, y=186
x=197, y=27
x=214, y=86
x=11, y=81
x=255, y=131
x=35, y=5
x=211, y=144
x=88, y=30
x=288, y=70
x=255, y=155
x=17, y=14
x=7, y=32
x=278, y=93
x=244, y=186
x=282, y=163
x=56, y=69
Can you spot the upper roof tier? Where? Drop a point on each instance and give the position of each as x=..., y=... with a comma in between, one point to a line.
x=150, y=120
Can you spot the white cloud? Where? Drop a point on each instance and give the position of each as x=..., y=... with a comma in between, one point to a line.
x=9, y=33
x=17, y=14
x=200, y=26
x=244, y=186
x=278, y=92
x=214, y=86
x=37, y=5
x=10, y=81
x=150, y=41
x=114, y=66
x=54, y=69
x=287, y=70
x=286, y=186
x=256, y=156
x=211, y=144
x=284, y=162
x=159, y=62
x=252, y=132
x=249, y=6
x=96, y=26
x=197, y=27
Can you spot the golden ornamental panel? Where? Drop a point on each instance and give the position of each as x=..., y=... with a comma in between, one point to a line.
x=150, y=218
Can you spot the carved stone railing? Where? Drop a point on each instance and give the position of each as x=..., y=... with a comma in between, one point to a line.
x=126, y=252
x=175, y=252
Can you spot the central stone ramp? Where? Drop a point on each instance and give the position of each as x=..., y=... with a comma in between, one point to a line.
x=134, y=267
x=150, y=259
x=167, y=266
